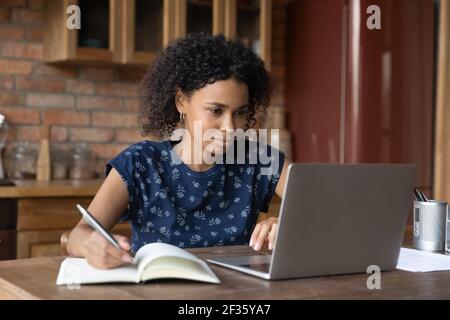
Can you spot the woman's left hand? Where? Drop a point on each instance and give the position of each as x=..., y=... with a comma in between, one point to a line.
x=264, y=234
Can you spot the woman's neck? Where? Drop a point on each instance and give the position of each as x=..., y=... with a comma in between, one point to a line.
x=188, y=153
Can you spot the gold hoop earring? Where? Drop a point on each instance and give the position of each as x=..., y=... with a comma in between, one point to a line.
x=182, y=117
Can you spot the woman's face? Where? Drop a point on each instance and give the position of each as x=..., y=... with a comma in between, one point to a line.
x=222, y=106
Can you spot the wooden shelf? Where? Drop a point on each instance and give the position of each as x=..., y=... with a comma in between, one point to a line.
x=56, y=188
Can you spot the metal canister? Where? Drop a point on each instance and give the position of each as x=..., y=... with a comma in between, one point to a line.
x=430, y=225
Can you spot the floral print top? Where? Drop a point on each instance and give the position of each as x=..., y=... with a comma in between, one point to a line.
x=171, y=203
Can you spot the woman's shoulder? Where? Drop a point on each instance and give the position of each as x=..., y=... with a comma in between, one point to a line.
x=139, y=157
x=145, y=151
x=147, y=148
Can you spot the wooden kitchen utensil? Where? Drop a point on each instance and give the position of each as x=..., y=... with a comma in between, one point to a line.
x=43, y=162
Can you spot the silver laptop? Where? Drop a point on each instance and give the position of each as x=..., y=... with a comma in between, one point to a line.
x=335, y=219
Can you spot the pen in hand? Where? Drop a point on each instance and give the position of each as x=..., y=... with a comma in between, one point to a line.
x=94, y=224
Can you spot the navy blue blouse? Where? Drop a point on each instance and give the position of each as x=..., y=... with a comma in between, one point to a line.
x=171, y=203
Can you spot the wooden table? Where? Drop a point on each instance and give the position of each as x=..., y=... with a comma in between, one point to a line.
x=35, y=279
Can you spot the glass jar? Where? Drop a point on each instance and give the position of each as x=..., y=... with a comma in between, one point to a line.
x=21, y=161
x=60, y=163
x=82, y=163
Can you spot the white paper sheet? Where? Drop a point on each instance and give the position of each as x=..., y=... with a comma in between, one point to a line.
x=422, y=261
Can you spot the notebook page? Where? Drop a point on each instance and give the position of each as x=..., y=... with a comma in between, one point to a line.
x=155, y=250
x=78, y=271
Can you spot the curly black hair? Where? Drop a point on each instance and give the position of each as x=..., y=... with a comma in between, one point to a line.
x=191, y=63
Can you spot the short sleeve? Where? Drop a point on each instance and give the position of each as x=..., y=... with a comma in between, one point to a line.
x=126, y=164
x=271, y=161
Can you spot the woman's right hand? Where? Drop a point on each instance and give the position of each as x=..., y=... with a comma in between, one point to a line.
x=101, y=254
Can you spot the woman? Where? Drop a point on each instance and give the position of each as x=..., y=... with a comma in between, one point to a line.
x=208, y=87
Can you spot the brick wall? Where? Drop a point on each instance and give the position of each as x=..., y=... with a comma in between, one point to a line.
x=82, y=104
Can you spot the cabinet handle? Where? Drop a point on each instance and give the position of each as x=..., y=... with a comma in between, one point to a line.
x=1, y=240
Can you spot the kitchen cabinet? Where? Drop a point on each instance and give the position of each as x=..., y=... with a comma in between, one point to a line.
x=132, y=32
x=194, y=16
x=251, y=22
x=8, y=209
x=247, y=20
x=112, y=31
x=147, y=28
x=99, y=39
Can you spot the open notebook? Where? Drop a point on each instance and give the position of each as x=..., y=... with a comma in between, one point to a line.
x=152, y=261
